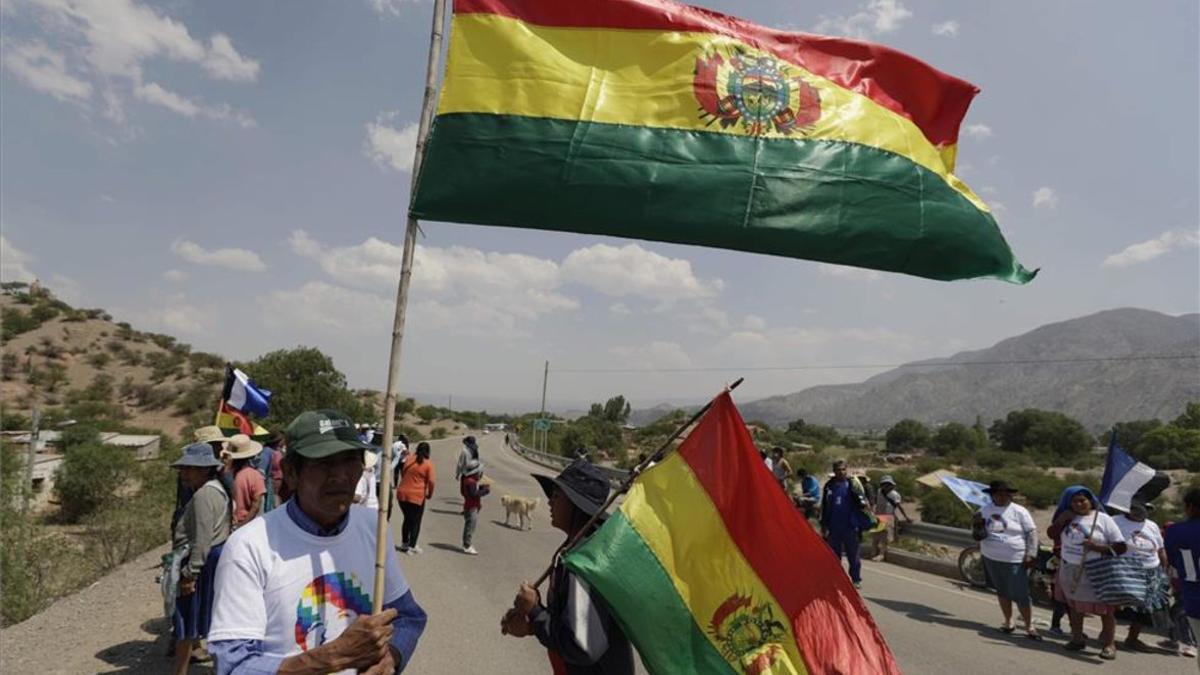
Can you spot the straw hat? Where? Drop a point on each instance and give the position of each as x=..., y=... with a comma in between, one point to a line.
x=242, y=447
x=209, y=434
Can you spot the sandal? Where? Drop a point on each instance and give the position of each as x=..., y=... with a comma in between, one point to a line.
x=1007, y=629
x=1108, y=653
x=1137, y=646
x=1033, y=635
x=1075, y=646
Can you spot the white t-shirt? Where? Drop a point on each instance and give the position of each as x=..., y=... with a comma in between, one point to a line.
x=293, y=590
x=366, y=488
x=1011, y=533
x=1144, y=540
x=1080, y=528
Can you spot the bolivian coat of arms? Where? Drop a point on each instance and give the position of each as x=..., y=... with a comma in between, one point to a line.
x=755, y=93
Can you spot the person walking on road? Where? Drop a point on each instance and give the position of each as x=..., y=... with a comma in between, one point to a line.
x=842, y=503
x=572, y=623
x=887, y=502
x=399, y=454
x=366, y=493
x=1182, y=544
x=417, y=480
x=1009, y=547
x=1086, y=532
x=200, y=534
x=294, y=587
x=473, y=491
x=468, y=459
x=1145, y=543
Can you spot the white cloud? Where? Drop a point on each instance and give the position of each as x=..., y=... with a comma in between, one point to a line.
x=108, y=45
x=849, y=273
x=1045, y=196
x=875, y=17
x=619, y=309
x=632, y=270
x=979, y=131
x=175, y=275
x=109, y=199
x=389, y=7
x=1171, y=240
x=45, y=70
x=329, y=307
x=66, y=289
x=153, y=93
x=658, y=355
x=231, y=258
x=754, y=323
x=391, y=147
x=946, y=28
x=14, y=263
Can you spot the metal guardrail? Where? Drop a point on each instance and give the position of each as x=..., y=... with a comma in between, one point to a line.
x=615, y=476
x=938, y=534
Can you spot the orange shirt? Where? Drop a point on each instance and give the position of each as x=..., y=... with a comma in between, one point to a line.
x=416, y=483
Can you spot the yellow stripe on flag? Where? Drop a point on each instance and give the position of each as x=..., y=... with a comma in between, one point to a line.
x=503, y=66
x=675, y=516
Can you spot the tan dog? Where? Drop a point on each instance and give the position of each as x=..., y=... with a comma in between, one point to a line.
x=522, y=507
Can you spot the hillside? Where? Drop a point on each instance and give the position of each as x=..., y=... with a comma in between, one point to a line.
x=960, y=387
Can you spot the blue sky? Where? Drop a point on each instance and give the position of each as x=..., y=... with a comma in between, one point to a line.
x=237, y=174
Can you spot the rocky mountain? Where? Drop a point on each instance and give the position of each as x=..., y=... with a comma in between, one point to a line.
x=1060, y=366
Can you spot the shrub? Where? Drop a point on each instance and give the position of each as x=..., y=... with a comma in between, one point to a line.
x=42, y=312
x=941, y=507
x=205, y=360
x=13, y=322
x=99, y=360
x=90, y=477
x=907, y=434
x=414, y=435
x=8, y=366
x=437, y=433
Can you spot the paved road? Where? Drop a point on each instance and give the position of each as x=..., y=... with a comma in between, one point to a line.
x=933, y=626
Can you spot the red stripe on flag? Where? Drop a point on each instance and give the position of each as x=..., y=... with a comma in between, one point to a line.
x=935, y=101
x=243, y=423
x=833, y=628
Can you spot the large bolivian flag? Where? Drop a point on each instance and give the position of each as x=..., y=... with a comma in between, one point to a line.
x=654, y=120
x=710, y=569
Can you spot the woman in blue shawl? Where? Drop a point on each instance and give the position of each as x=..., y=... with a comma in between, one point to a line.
x=1085, y=532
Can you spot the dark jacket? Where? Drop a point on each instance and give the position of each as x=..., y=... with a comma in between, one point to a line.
x=858, y=497
x=556, y=626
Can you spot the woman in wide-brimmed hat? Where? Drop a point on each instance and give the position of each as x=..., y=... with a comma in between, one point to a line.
x=1086, y=532
x=584, y=637
x=1009, y=547
x=201, y=531
x=249, y=487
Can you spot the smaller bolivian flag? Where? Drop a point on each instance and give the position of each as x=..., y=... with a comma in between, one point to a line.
x=654, y=120
x=233, y=422
x=710, y=569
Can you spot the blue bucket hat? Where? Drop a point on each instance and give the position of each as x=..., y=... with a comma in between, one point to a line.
x=198, y=455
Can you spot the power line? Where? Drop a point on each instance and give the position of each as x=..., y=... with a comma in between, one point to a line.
x=866, y=366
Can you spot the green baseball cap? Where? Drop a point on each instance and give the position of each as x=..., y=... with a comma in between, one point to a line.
x=320, y=433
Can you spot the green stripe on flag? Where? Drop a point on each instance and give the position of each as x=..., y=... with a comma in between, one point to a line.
x=621, y=568
x=831, y=201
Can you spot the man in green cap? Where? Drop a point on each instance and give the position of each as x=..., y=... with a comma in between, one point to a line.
x=293, y=588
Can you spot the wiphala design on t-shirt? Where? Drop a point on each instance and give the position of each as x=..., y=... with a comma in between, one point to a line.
x=328, y=605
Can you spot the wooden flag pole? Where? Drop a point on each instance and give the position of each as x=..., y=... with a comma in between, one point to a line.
x=633, y=474
x=410, y=242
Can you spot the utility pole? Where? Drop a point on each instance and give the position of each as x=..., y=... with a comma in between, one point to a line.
x=35, y=417
x=545, y=433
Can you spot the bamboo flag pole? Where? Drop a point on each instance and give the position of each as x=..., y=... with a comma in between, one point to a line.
x=654, y=458
x=410, y=242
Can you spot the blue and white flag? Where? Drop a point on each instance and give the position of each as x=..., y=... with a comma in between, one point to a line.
x=243, y=395
x=1125, y=478
x=970, y=492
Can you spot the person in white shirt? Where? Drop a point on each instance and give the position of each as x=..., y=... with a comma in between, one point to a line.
x=1009, y=547
x=1086, y=532
x=1145, y=542
x=365, y=493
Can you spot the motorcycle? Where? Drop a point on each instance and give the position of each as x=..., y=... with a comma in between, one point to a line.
x=1041, y=572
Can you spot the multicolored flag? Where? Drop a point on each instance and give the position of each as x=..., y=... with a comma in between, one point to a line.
x=709, y=568
x=654, y=120
x=234, y=422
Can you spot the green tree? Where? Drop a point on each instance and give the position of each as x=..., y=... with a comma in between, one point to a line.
x=1041, y=431
x=302, y=379
x=1190, y=419
x=91, y=476
x=617, y=409
x=1170, y=447
x=1129, y=434
x=907, y=434
x=954, y=437
x=941, y=507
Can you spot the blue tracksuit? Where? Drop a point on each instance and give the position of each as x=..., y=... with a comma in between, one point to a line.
x=839, y=505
